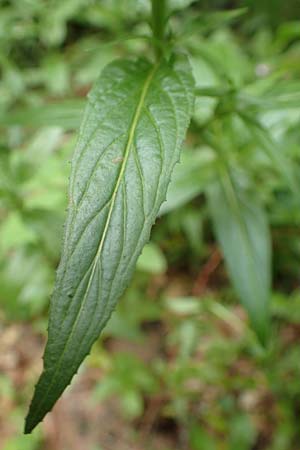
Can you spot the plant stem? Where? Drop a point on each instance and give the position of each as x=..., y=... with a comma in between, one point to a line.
x=158, y=23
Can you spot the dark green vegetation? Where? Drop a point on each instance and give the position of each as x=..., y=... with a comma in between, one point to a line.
x=238, y=180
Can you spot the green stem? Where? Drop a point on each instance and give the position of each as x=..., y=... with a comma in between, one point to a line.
x=158, y=23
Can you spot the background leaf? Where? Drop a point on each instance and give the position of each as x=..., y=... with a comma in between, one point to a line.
x=66, y=114
x=186, y=183
x=242, y=231
x=152, y=260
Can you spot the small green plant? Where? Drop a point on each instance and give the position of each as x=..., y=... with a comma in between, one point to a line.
x=130, y=139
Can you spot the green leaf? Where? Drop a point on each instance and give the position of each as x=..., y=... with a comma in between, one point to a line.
x=207, y=22
x=274, y=151
x=66, y=114
x=152, y=260
x=189, y=178
x=200, y=439
x=129, y=142
x=242, y=231
x=14, y=232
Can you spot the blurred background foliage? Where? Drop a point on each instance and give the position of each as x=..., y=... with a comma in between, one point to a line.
x=179, y=365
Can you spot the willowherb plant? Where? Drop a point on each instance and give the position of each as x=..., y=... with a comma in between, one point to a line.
x=135, y=121
x=134, y=124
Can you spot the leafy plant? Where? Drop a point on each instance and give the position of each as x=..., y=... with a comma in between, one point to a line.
x=129, y=142
x=130, y=139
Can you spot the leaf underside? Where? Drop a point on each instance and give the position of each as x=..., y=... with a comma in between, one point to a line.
x=130, y=139
x=242, y=231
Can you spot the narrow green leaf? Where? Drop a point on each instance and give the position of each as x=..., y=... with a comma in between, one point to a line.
x=129, y=142
x=242, y=231
x=152, y=260
x=189, y=178
x=66, y=114
x=207, y=22
x=273, y=149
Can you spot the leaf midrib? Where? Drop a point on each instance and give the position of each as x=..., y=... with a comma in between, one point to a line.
x=131, y=134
